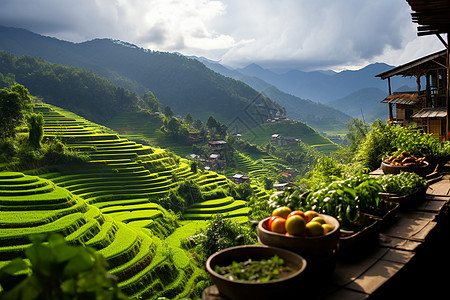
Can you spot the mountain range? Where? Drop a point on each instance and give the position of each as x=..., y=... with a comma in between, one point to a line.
x=315, y=96
x=184, y=84
x=325, y=100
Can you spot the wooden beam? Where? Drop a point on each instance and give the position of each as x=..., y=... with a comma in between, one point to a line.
x=447, y=95
x=442, y=40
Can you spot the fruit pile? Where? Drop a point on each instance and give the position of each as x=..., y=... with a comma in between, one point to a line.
x=298, y=223
x=404, y=159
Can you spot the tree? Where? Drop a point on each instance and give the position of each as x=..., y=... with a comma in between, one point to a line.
x=10, y=112
x=24, y=96
x=188, y=119
x=357, y=132
x=268, y=183
x=194, y=167
x=173, y=126
x=198, y=124
x=35, y=124
x=151, y=102
x=211, y=123
x=168, y=112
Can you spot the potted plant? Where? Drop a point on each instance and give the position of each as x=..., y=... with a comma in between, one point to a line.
x=241, y=272
x=405, y=188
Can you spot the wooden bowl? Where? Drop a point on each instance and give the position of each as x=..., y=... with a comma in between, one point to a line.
x=308, y=247
x=235, y=289
x=422, y=170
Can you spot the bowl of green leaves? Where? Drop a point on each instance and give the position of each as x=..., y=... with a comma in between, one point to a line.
x=255, y=272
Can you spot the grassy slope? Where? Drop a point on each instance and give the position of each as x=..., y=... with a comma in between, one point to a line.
x=261, y=135
x=145, y=128
x=123, y=182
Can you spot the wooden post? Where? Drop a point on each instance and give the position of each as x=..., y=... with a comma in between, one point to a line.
x=447, y=135
x=391, y=116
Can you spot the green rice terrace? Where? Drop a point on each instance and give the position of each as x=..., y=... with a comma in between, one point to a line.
x=112, y=203
x=145, y=127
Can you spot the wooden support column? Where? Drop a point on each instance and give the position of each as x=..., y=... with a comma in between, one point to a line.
x=447, y=95
x=391, y=115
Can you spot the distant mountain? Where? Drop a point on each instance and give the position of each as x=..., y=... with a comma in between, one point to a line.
x=324, y=86
x=182, y=83
x=364, y=103
x=317, y=115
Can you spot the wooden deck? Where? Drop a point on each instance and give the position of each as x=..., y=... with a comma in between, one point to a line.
x=408, y=259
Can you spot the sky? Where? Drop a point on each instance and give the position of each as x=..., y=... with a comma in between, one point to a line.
x=276, y=34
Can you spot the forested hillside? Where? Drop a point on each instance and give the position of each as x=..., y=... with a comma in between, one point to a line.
x=318, y=115
x=78, y=90
x=184, y=84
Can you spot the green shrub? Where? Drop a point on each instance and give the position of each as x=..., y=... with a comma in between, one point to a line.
x=401, y=184
x=378, y=142
x=221, y=233
x=58, y=271
x=35, y=123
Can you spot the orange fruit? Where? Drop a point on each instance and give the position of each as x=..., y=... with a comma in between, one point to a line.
x=314, y=229
x=319, y=220
x=279, y=225
x=295, y=225
x=282, y=211
x=310, y=214
x=296, y=212
x=327, y=228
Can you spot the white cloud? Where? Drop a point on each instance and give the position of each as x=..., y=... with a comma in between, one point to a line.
x=304, y=34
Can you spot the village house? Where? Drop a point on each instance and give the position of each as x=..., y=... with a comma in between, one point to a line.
x=278, y=140
x=283, y=119
x=427, y=106
x=195, y=137
x=239, y=178
x=217, y=146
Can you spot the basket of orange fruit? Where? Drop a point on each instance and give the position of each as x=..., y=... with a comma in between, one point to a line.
x=310, y=234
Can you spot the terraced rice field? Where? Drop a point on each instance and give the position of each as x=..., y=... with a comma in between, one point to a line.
x=31, y=205
x=111, y=204
x=121, y=172
x=258, y=167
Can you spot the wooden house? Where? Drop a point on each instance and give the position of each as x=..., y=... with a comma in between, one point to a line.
x=239, y=178
x=432, y=18
x=426, y=107
x=217, y=146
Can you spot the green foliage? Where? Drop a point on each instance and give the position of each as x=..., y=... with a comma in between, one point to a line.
x=244, y=191
x=168, y=112
x=11, y=113
x=8, y=149
x=357, y=132
x=254, y=270
x=57, y=271
x=35, y=124
x=78, y=90
x=216, y=129
x=344, y=198
x=151, y=102
x=378, y=142
x=188, y=119
x=386, y=139
x=194, y=167
x=179, y=199
x=190, y=192
x=416, y=142
x=221, y=233
x=401, y=184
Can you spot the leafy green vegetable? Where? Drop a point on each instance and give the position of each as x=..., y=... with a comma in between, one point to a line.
x=254, y=270
x=402, y=184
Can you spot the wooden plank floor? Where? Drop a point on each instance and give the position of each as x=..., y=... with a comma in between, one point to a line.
x=408, y=260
